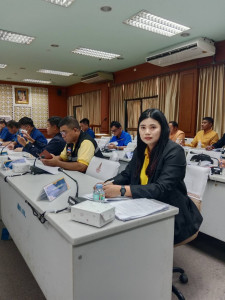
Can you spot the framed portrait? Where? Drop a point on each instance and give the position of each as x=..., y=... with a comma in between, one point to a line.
x=21, y=96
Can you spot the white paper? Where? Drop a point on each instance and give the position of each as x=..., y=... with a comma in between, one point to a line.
x=137, y=208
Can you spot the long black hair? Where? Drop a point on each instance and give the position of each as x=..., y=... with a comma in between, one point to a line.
x=157, y=151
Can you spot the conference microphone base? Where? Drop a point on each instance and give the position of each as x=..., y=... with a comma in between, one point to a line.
x=35, y=171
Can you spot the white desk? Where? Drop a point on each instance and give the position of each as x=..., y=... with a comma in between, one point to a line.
x=123, y=260
x=213, y=208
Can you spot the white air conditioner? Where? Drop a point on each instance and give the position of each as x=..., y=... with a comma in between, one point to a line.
x=97, y=77
x=198, y=48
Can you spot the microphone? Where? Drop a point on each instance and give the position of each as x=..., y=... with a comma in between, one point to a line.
x=35, y=170
x=77, y=199
x=5, y=147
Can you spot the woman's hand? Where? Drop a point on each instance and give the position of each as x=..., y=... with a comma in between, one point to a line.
x=112, y=190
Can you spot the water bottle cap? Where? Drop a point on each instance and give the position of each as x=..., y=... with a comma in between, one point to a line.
x=99, y=186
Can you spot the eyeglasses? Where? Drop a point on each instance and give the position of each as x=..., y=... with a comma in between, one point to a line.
x=114, y=130
x=63, y=133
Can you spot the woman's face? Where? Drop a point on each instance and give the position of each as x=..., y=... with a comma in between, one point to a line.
x=150, y=130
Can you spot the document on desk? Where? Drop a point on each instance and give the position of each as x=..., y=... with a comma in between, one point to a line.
x=137, y=208
x=90, y=197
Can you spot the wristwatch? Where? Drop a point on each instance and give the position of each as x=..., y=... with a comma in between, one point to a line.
x=122, y=190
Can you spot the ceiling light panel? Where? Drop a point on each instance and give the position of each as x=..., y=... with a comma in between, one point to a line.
x=64, y=3
x=95, y=53
x=145, y=20
x=2, y=66
x=15, y=37
x=37, y=81
x=55, y=72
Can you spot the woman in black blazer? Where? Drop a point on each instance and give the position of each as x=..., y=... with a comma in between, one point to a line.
x=157, y=171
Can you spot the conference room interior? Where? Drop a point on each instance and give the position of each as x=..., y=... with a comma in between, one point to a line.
x=185, y=92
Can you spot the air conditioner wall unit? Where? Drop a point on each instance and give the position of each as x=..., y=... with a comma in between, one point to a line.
x=97, y=77
x=194, y=49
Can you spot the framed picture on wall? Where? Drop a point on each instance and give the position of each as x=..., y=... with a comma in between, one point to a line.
x=21, y=96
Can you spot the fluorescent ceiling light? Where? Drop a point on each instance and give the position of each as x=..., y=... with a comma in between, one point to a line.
x=55, y=72
x=36, y=81
x=147, y=21
x=15, y=37
x=64, y=3
x=2, y=66
x=95, y=53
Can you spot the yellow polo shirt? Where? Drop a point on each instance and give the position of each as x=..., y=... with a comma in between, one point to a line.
x=143, y=176
x=207, y=139
x=84, y=154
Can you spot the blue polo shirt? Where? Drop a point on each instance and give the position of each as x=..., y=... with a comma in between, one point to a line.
x=38, y=136
x=123, y=140
x=90, y=132
x=5, y=135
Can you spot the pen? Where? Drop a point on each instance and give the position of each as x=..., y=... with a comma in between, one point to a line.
x=108, y=182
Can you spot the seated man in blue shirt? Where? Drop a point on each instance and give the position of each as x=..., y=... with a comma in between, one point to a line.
x=13, y=128
x=84, y=125
x=55, y=146
x=27, y=126
x=120, y=136
x=5, y=135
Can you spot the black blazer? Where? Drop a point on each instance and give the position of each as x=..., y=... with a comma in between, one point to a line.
x=220, y=143
x=166, y=185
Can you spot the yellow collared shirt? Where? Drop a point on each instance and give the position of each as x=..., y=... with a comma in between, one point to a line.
x=207, y=139
x=143, y=176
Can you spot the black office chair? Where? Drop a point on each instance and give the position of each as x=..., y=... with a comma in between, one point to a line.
x=183, y=276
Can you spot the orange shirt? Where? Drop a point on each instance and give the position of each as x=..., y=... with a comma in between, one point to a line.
x=178, y=135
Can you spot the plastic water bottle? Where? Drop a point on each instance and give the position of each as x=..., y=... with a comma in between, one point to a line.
x=199, y=145
x=99, y=194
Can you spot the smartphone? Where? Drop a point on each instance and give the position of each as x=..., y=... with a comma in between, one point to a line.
x=45, y=154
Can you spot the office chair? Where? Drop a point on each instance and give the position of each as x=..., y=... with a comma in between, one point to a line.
x=102, y=168
x=195, y=180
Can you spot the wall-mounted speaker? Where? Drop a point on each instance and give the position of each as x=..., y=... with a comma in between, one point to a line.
x=59, y=92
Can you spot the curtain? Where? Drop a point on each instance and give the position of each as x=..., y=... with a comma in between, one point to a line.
x=116, y=105
x=133, y=114
x=132, y=90
x=71, y=102
x=169, y=96
x=149, y=88
x=211, y=100
x=90, y=107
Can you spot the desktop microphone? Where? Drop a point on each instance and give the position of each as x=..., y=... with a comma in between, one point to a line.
x=5, y=147
x=35, y=170
x=77, y=199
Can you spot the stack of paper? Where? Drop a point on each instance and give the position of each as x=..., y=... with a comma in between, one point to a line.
x=137, y=208
x=90, y=197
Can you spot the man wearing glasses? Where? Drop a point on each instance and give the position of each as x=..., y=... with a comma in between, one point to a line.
x=120, y=138
x=79, y=150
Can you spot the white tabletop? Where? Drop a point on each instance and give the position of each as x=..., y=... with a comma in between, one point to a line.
x=30, y=186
